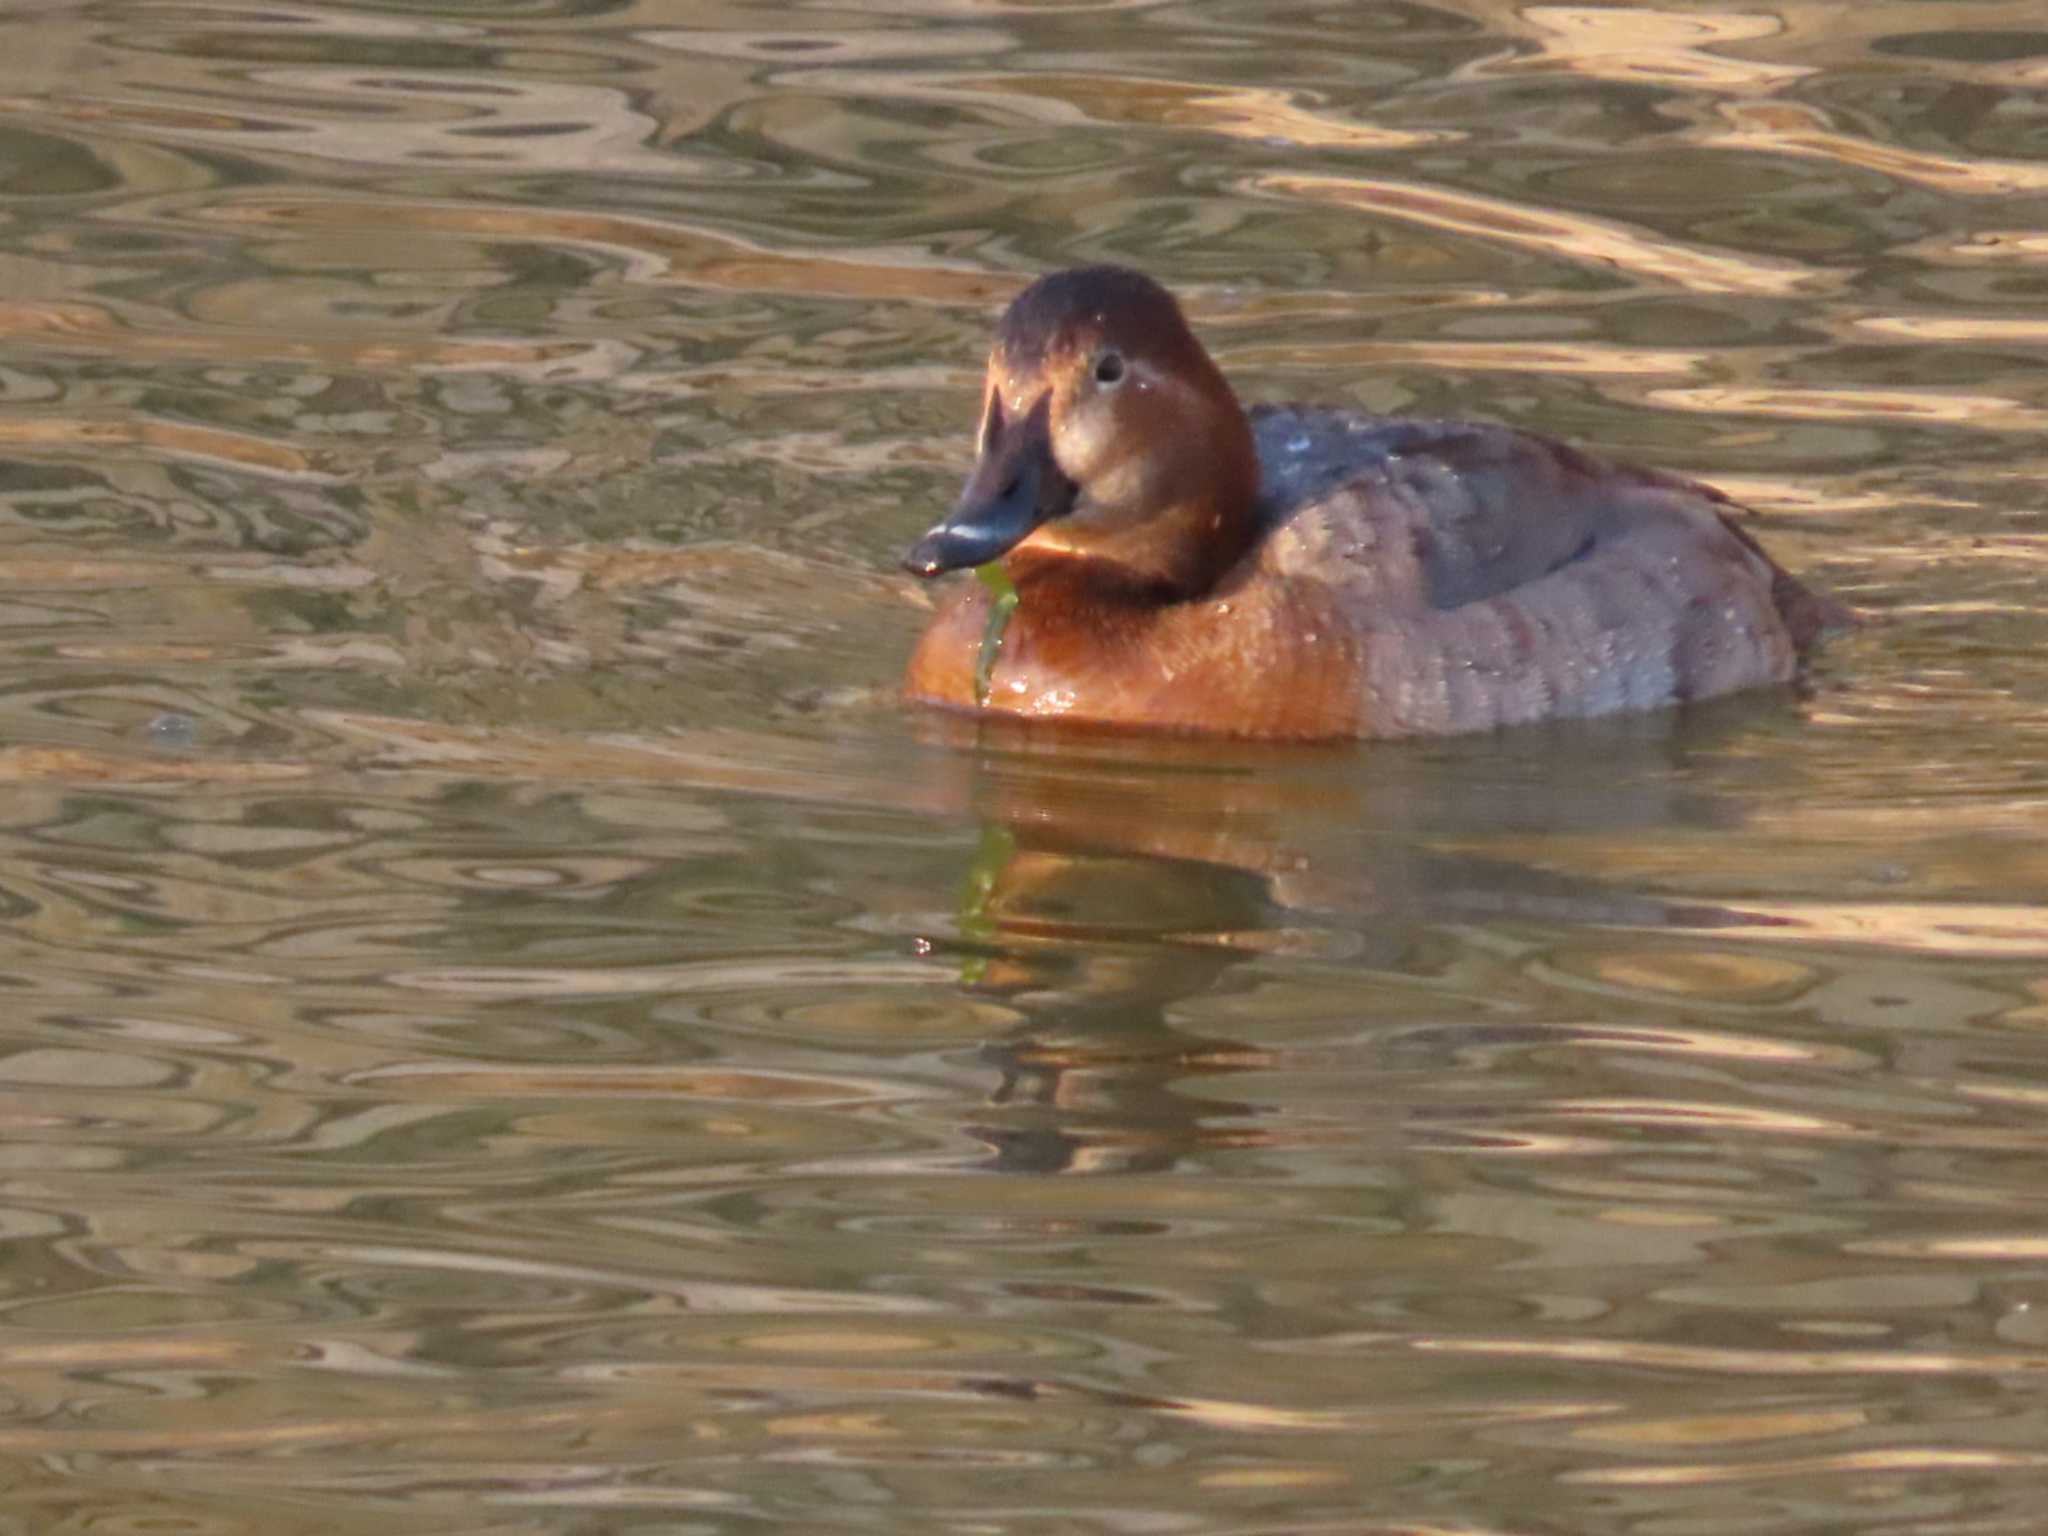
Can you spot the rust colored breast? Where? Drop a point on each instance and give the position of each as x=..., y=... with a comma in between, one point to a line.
x=1272, y=661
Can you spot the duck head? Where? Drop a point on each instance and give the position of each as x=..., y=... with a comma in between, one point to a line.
x=1107, y=436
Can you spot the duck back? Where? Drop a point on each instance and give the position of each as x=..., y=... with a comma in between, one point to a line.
x=1484, y=577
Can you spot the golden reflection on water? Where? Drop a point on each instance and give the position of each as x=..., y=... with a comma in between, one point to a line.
x=1575, y=238
x=1953, y=328
x=1262, y=115
x=651, y=251
x=1641, y=44
x=169, y=438
x=1580, y=360
x=92, y=329
x=1781, y=128
x=1985, y=412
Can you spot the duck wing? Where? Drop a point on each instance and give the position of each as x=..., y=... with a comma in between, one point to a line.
x=1497, y=576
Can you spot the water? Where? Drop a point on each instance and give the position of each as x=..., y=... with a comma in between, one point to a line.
x=513, y=1030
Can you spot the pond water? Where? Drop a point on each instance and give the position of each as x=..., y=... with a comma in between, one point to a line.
x=513, y=1029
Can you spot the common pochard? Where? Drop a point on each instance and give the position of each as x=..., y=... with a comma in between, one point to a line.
x=1303, y=572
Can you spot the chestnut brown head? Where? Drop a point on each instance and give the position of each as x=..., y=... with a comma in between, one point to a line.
x=1107, y=433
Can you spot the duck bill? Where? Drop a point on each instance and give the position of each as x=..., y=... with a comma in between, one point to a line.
x=1014, y=488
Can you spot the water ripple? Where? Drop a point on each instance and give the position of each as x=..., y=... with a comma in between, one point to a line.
x=511, y=1025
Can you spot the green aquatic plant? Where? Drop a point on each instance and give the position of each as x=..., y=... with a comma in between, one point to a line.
x=977, y=914
x=1003, y=603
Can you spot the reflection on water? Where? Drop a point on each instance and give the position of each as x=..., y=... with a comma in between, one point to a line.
x=513, y=1030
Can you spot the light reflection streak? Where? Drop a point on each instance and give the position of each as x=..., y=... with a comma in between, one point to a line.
x=2017, y=1248
x=333, y=1431
x=1705, y=1116
x=1578, y=238
x=446, y=1079
x=83, y=574
x=707, y=1296
x=1978, y=929
x=397, y=119
x=2021, y=246
x=697, y=980
x=1986, y=412
x=1725, y=1429
x=803, y=57
x=74, y=765
x=1955, y=328
x=1265, y=115
x=1789, y=128
x=1584, y=359
x=1718, y=1044
x=1649, y=1354
x=1896, y=1458
x=71, y=327
x=1829, y=498
x=182, y=439
x=1495, y=1141
x=1219, y=1413
x=1635, y=44
x=654, y=251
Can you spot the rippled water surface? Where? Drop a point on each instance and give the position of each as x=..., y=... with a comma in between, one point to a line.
x=510, y=1028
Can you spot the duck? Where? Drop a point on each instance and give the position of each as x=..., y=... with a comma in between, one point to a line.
x=1156, y=557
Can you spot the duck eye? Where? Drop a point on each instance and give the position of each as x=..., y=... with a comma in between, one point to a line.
x=1109, y=368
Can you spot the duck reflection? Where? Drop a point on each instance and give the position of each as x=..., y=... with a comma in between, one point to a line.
x=1123, y=885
